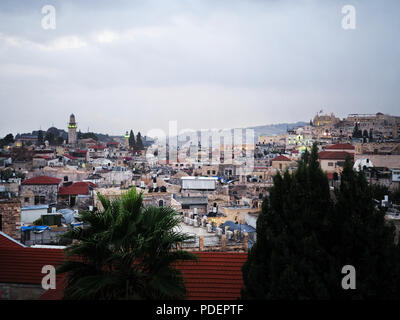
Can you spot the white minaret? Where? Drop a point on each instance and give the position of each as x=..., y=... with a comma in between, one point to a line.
x=72, y=137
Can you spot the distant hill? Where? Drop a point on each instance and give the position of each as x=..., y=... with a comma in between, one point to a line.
x=275, y=129
x=269, y=129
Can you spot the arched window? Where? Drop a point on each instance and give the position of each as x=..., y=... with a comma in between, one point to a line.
x=161, y=203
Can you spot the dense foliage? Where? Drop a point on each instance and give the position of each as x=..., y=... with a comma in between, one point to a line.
x=306, y=234
x=127, y=252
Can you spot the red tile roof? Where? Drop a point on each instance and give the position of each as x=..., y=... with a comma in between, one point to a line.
x=91, y=184
x=41, y=180
x=75, y=189
x=112, y=143
x=7, y=241
x=70, y=157
x=340, y=146
x=43, y=157
x=281, y=158
x=24, y=265
x=98, y=146
x=334, y=155
x=216, y=275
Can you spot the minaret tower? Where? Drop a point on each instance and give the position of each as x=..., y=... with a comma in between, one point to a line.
x=127, y=136
x=72, y=126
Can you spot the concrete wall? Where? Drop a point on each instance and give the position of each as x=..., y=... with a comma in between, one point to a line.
x=28, y=216
x=16, y=291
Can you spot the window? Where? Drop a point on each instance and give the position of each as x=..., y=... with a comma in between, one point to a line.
x=330, y=164
x=26, y=199
x=208, y=171
x=40, y=200
x=280, y=166
x=65, y=178
x=161, y=203
x=213, y=172
x=1, y=222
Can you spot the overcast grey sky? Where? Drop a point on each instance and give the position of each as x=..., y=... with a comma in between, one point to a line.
x=120, y=65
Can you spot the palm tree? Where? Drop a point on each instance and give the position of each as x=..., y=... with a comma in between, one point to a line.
x=126, y=252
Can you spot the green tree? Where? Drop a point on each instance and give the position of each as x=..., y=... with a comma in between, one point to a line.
x=40, y=138
x=50, y=137
x=288, y=259
x=9, y=138
x=304, y=239
x=357, y=133
x=127, y=252
x=379, y=191
x=360, y=237
x=395, y=196
x=132, y=141
x=371, y=134
x=6, y=174
x=139, y=142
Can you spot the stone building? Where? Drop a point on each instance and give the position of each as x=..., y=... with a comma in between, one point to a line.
x=325, y=120
x=333, y=161
x=44, y=188
x=10, y=217
x=382, y=126
x=282, y=163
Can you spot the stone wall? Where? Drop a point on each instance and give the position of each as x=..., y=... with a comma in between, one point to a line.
x=10, y=210
x=50, y=192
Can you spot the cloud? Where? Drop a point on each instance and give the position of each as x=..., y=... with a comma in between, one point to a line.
x=23, y=70
x=124, y=64
x=64, y=43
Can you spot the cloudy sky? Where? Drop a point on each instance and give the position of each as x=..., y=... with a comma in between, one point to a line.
x=137, y=64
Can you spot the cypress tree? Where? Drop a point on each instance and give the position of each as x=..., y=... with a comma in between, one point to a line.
x=139, y=142
x=304, y=239
x=288, y=259
x=132, y=141
x=364, y=240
